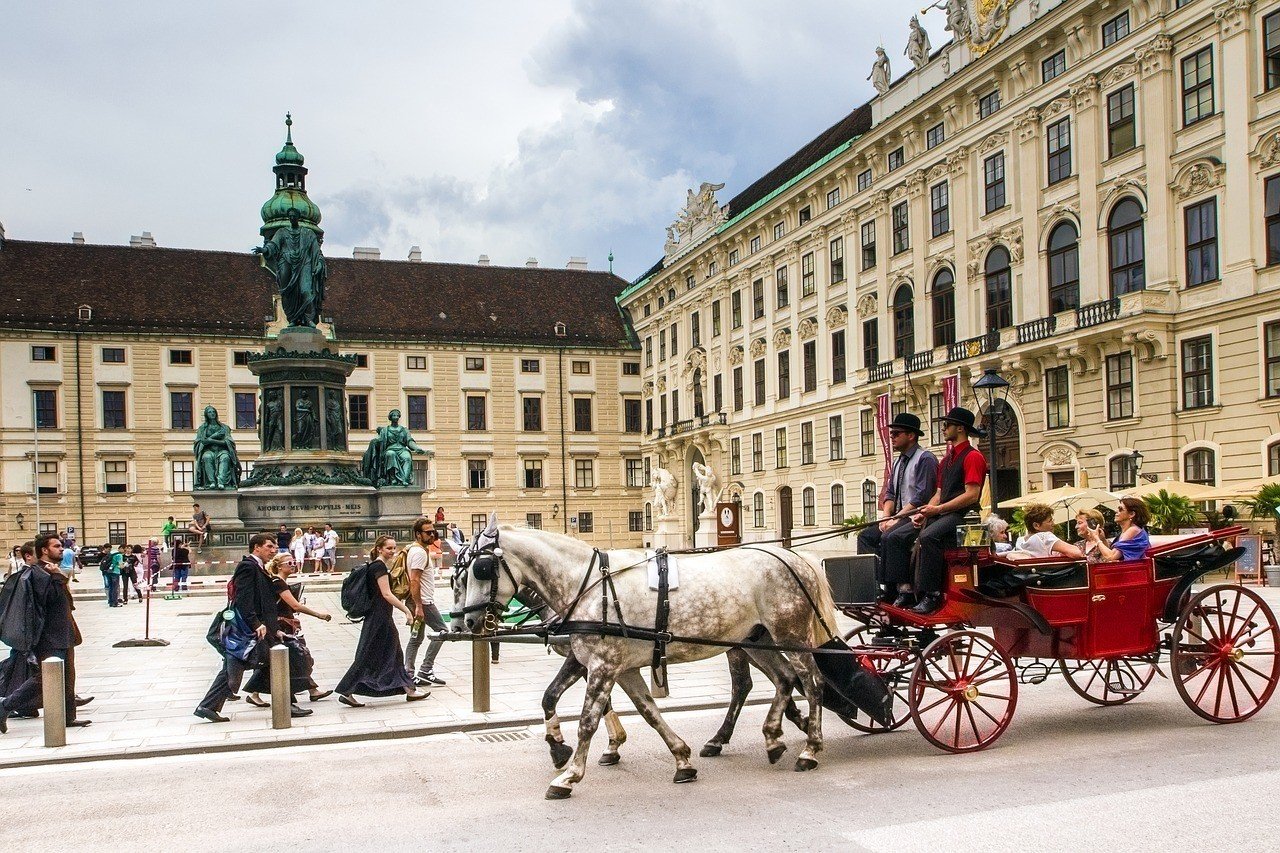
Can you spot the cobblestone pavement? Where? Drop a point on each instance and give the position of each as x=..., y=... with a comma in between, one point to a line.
x=143, y=697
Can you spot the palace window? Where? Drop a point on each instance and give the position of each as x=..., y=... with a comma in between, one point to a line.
x=1271, y=49
x=757, y=299
x=808, y=507
x=939, y=209
x=180, y=356
x=806, y=443
x=833, y=198
x=46, y=405
x=534, y=365
x=935, y=136
x=999, y=291
x=1064, y=268
x=415, y=362
x=48, y=478
x=783, y=291
x=113, y=410
x=1197, y=87
x=989, y=103
x=477, y=474
x=904, y=323
x=754, y=245
x=943, y=302
x=1058, y=137
x=1115, y=29
x=864, y=180
x=1122, y=473
x=738, y=402
x=584, y=473
x=735, y=309
x=870, y=343
x=993, y=182
x=532, y=474
x=631, y=414
x=784, y=374
x=896, y=159
x=531, y=412
x=868, y=232
x=180, y=416
x=835, y=437
x=1202, y=242
x=115, y=477
x=715, y=321
x=866, y=432
x=114, y=355
x=476, y=420
x=1272, y=219
x=1119, y=386
x=936, y=413
x=1128, y=255
x=246, y=404
x=757, y=452
x=1122, y=134
x=1053, y=66
x=806, y=275
x=41, y=352
x=837, y=260
x=870, y=504
x=358, y=411
x=1200, y=466
x=1057, y=407
x=416, y=406
x=181, y=475
x=901, y=229
x=695, y=329
x=837, y=504
x=630, y=368
x=759, y=382
x=735, y=456
x=780, y=447
x=809, y=365
x=1197, y=372
x=582, y=414
x=837, y=357
x=757, y=509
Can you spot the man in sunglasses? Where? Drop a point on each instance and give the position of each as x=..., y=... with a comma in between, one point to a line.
x=912, y=482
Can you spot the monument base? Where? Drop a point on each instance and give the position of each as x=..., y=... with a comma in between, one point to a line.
x=666, y=534
x=705, y=536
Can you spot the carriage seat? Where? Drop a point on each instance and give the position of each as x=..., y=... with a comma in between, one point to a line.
x=1015, y=573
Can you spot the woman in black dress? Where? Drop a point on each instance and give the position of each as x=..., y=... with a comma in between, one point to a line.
x=378, y=669
x=301, y=663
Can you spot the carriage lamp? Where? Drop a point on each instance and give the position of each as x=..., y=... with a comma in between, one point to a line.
x=21, y=519
x=555, y=510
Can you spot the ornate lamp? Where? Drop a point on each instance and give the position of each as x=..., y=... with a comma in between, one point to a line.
x=555, y=510
x=993, y=389
x=1136, y=456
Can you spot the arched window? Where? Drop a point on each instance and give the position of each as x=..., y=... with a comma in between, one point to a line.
x=808, y=507
x=1128, y=258
x=1273, y=459
x=944, y=308
x=1200, y=466
x=904, y=323
x=869, y=502
x=837, y=503
x=1122, y=472
x=999, y=290
x=648, y=516
x=757, y=509
x=1064, y=268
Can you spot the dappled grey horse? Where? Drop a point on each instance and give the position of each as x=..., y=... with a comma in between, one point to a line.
x=724, y=596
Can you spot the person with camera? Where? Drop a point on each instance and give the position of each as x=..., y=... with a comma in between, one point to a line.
x=1088, y=520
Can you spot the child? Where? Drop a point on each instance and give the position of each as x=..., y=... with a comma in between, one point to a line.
x=1040, y=540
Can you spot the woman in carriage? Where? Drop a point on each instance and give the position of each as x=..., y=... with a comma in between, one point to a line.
x=1133, y=541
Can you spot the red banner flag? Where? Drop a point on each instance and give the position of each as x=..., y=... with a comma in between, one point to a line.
x=882, y=427
x=950, y=392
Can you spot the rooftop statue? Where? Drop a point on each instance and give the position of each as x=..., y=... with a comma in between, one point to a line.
x=293, y=256
x=918, y=46
x=879, y=75
x=217, y=466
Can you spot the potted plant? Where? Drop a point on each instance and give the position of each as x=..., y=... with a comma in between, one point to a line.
x=1170, y=512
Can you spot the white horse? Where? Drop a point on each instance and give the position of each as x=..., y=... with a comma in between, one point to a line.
x=723, y=596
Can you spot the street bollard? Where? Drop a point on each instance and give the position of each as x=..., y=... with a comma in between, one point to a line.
x=53, y=681
x=480, y=676
x=281, y=695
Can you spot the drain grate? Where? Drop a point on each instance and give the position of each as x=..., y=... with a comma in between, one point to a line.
x=500, y=737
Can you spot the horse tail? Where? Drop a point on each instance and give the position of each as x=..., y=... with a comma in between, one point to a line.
x=824, y=616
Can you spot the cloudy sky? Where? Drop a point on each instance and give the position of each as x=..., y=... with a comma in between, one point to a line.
x=514, y=128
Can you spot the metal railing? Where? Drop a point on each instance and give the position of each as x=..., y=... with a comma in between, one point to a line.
x=974, y=347
x=1096, y=313
x=690, y=424
x=1037, y=330
x=880, y=372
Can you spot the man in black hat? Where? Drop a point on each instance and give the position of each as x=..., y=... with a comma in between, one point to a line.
x=912, y=481
x=960, y=478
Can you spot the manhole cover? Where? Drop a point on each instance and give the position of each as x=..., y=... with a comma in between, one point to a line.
x=500, y=737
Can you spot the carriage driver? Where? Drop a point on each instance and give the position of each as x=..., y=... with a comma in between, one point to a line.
x=960, y=478
x=912, y=481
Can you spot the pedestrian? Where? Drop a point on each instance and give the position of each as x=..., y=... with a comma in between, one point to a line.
x=16, y=557
x=315, y=549
x=378, y=668
x=330, y=548
x=439, y=514
x=422, y=588
x=199, y=526
x=112, y=561
x=298, y=545
x=166, y=532
x=129, y=571
x=180, y=565
x=455, y=535
x=58, y=636
x=153, y=563
x=301, y=663
x=250, y=596
x=70, y=564
x=283, y=536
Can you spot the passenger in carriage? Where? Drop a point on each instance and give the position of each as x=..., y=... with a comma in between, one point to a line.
x=960, y=479
x=1086, y=519
x=1040, y=540
x=912, y=481
x=1133, y=541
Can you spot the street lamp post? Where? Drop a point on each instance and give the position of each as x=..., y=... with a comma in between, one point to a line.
x=993, y=389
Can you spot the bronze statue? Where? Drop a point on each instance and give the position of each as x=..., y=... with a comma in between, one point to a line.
x=272, y=420
x=388, y=461
x=306, y=431
x=335, y=421
x=293, y=257
x=217, y=466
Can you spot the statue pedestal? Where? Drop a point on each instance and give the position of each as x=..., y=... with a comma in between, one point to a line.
x=705, y=537
x=666, y=534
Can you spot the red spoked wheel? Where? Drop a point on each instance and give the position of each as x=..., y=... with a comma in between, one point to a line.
x=893, y=671
x=1226, y=654
x=1109, y=682
x=963, y=692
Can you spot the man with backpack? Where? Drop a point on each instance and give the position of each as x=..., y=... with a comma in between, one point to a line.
x=50, y=630
x=253, y=599
x=421, y=600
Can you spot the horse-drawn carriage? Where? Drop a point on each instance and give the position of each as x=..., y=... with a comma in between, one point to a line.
x=1104, y=626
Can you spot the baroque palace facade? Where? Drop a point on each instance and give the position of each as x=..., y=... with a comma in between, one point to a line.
x=1084, y=196
x=521, y=384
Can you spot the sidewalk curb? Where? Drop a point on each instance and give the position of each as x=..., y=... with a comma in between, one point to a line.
x=282, y=739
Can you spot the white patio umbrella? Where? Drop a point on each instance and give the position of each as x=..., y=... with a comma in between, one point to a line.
x=1191, y=491
x=1066, y=501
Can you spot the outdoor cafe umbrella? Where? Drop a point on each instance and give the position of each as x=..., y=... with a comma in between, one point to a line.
x=1190, y=491
x=1242, y=491
x=1066, y=501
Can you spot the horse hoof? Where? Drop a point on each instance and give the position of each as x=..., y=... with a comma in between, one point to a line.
x=609, y=759
x=560, y=755
x=776, y=752
x=803, y=764
x=555, y=792
x=685, y=774
x=711, y=750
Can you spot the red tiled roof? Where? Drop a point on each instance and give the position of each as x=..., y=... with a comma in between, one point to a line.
x=197, y=291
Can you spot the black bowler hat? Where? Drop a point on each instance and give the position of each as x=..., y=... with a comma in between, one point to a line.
x=964, y=417
x=906, y=421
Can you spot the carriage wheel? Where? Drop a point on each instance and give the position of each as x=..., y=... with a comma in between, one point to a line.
x=894, y=673
x=1109, y=682
x=963, y=692
x=1226, y=654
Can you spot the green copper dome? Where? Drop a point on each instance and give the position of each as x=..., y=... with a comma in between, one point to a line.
x=291, y=190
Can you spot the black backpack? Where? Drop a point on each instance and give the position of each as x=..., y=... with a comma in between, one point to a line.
x=357, y=600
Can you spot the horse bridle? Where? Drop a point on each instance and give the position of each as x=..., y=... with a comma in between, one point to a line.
x=486, y=564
